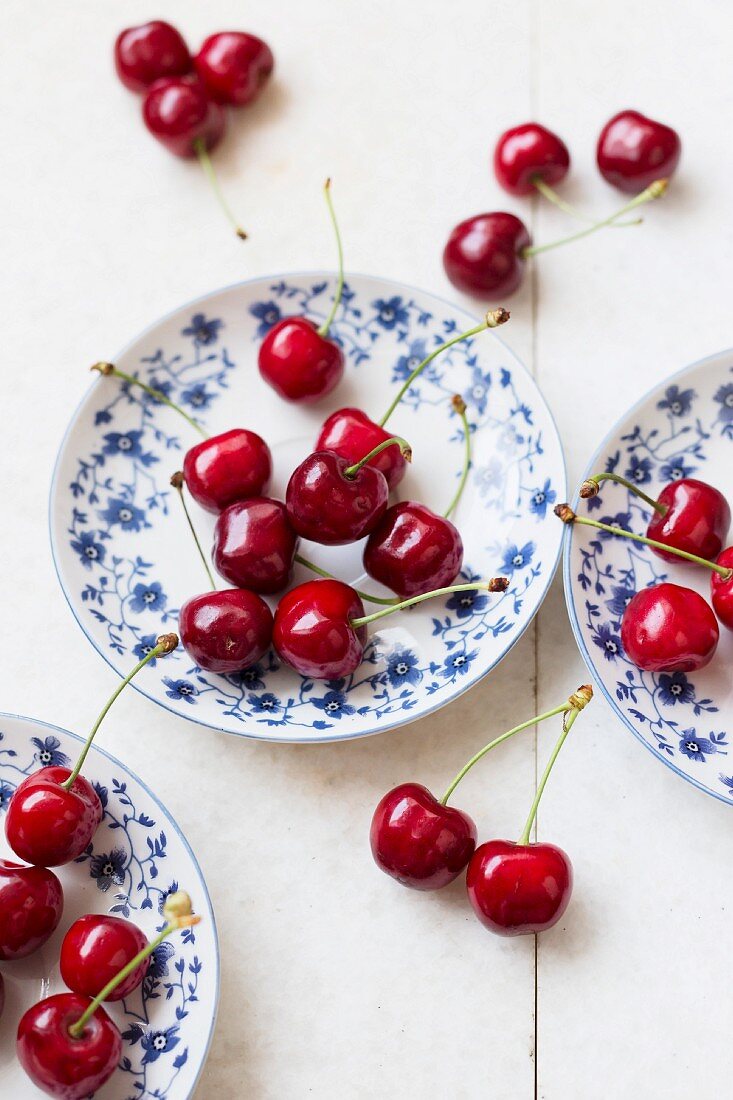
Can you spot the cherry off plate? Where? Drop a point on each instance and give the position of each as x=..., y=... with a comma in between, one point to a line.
x=138, y=855
x=126, y=560
x=683, y=428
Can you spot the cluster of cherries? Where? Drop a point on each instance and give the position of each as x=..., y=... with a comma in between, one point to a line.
x=486, y=255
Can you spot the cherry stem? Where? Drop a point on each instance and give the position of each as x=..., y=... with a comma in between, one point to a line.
x=109, y=370
x=653, y=191
x=459, y=406
x=552, y=196
x=496, y=584
x=166, y=643
x=388, y=602
x=395, y=441
x=567, y=515
x=493, y=319
x=323, y=330
x=591, y=485
x=205, y=161
x=177, y=481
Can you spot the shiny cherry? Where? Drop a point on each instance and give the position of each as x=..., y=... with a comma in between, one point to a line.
x=178, y=112
x=254, y=545
x=234, y=66
x=696, y=519
x=147, y=53
x=95, y=949
x=226, y=468
x=47, y=825
x=721, y=590
x=352, y=434
x=313, y=631
x=519, y=888
x=668, y=628
x=419, y=841
x=484, y=257
x=328, y=506
x=298, y=362
x=529, y=152
x=413, y=550
x=634, y=151
x=225, y=631
x=31, y=904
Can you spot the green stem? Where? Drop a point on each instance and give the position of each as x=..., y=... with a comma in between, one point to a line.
x=552, y=196
x=323, y=330
x=177, y=481
x=388, y=602
x=567, y=725
x=590, y=487
x=496, y=584
x=459, y=405
x=205, y=161
x=395, y=441
x=109, y=370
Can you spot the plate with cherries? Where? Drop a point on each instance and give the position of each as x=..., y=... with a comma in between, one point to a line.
x=648, y=571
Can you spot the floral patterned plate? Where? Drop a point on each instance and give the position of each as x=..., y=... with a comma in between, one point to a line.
x=126, y=560
x=684, y=428
x=138, y=856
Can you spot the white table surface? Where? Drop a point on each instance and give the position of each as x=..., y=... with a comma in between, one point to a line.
x=336, y=982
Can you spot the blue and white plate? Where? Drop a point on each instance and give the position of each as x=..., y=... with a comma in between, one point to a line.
x=684, y=428
x=137, y=857
x=126, y=560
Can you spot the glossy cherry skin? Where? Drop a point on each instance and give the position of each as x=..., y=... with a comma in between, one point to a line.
x=147, y=53
x=351, y=434
x=59, y=1064
x=668, y=628
x=483, y=255
x=519, y=888
x=526, y=153
x=634, y=151
x=299, y=363
x=31, y=904
x=225, y=468
x=225, y=631
x=697, y=519
x=95, y=949
x=418, y=841
x=254, y=545
x=313, y=631
x=234, y=66
x=326, y=506
x=413, y=550
x=721, y=590
x=178, y=113
x=48, y=825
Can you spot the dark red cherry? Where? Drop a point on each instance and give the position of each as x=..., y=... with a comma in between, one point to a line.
x=418, y=841
x=668, y=628
x=519, y=888
x=327, y=506
x=483, y=255
x=634, y=151
x=47, y=825
x=254, y=545
x=232, y=466
x=413, y=550
x=313, y=631
x=225, y=631
x=178, y=112
x=31, y=904
x=58, y=1063
x=299, y=363
x=529, y=152
x=95, y=949
x=147, y=53
x=234, y=66
x=351, y=434
x=696, y=520
x=721, y=590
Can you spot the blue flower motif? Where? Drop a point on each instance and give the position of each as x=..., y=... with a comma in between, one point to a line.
x=6, y=793
x=724, y=397
x=159, y=961
x=466, y=604
x=402, y=668
x=607, y=640
x=125, y=514
x=457, y=664
x=203, y=331
x=728, y=780
x=696, y=748
x=180, y=689
x=253, y=678
x=334, y=704
x=675, y=688
x=148, y=597
x=391, y=312
x=198, y=397
x=639, y=470
x=47, y=752
x=477, y=393
x=264, y=704
x=162, y=385
x=172, y=889
x=155, y=1043
x=540, y=499
x=102, y=794
x=514, y=558
x=123, y=443
x=406, y=364
x=675, y=469
x=621, y=519
x=144, y=646
x=107, y=869
x=89, y=549
x=621, y=597
x=677, y=401
x=489, y=477
x=268, y=314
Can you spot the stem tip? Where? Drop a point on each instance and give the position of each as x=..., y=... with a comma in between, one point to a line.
x=177, y=479
x=589, y=488
x=657, y=189
x=459, y=405
x=498, y=584
x=241, y=233
x=496, y=317
x=177, y=905
x=103, y=367
x=167, y=643
x=581, y=697
x=564, y=512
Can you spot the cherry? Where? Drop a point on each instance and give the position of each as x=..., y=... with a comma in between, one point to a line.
x=226, y=468
x=31, y=904
x=519, y=888
x=254, y=544
x=722, y=589
x=225, y=631
x=413, y=550
x=350, y=433
x=95, y=948
x=668, y=628
x=634, y=150
x=149, y=52
x=485, y=255
x=180, y=115
x=528, y=154
x=234, y=66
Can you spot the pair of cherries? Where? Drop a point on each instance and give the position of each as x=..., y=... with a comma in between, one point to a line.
x=486, y=255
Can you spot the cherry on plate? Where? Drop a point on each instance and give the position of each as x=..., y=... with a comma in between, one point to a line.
x=669, y=628
x=95, y=948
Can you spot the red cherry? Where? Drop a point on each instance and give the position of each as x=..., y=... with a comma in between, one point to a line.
x=722, y=590
x=95, y=949
x=298, y=362
x=413, y=550
x=668, y=628
x=232, y=466
x=519, y=888
x=697, y=519
x=180, y=115
x=351, y=434
x=634, y=151
x=483, y=255
x=254, y=545
x=58, y=1063
x=147, y=53
x=234, y=66
x=529, y=152
x=313, y=631
x=226, y=631
x=327, y=506
x=31, y=904
x=48, y=825
x=418, y=841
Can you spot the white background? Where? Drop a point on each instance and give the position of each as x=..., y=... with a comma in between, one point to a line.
x=336, y=982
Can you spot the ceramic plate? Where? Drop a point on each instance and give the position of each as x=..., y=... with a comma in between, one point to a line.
x=138, y=855
x=682, y=429
x=126, y=561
